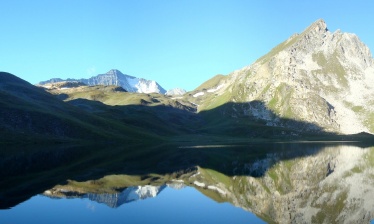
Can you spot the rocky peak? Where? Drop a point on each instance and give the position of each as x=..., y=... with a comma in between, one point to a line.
x=313, y=36
x=318, y=26
x=318, y=77
x=317, y=30
x=114, y=72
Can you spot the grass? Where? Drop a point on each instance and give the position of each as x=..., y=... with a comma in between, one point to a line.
x=210, y=83
x=42, y=117
x=215, y=101
x=100, y=113
x=217, y=177
x=288, y=43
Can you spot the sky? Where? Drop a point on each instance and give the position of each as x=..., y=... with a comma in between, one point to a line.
x=178, y=43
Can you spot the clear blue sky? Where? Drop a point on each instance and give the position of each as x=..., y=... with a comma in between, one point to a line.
x=178, y=43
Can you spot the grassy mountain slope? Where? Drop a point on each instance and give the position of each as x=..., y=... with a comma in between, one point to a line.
x=29, y=113
x=155, y=113
x=173, y=118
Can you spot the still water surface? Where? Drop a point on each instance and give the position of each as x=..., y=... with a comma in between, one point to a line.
x=186, y=205
x=252, y=183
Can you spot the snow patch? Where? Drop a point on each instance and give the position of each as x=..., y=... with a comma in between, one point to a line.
x=198, y=173
x=199, y=184
x=216, y=189
x=215, y=89
x=198, y=94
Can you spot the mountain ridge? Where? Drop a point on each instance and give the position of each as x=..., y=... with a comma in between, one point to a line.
x=317, y=82
x=317, y=76
x=117, y=78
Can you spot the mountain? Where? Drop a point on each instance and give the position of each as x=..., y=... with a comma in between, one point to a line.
x=175, y=92
x=117, y=78
x=314, y=83
x=322, y=79
x=30, y=113
x=152, y=113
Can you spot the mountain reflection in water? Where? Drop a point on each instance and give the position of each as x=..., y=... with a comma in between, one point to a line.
x=279, y=182
x=112, y=200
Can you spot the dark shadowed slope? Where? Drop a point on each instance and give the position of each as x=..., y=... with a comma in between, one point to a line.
x=30, y=114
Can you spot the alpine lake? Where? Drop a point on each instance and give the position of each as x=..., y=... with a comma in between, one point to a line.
x=278, y=182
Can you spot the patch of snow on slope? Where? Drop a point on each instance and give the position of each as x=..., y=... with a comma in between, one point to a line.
x=199, y=184
x=198, y=94
x=215, y=89
x=216, y=189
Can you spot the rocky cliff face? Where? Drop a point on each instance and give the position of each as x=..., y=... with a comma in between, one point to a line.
x=320, y=77
x=117, y=78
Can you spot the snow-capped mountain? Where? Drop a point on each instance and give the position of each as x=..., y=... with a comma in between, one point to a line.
x=117, y=78
x=175, y=92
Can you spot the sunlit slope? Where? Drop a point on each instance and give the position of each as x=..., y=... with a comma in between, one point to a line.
x=154, y=113
x=320, y=78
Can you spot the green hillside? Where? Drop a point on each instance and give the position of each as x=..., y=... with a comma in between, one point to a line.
x=30, y=114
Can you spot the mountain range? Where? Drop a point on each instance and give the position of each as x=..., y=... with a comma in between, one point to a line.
x=116, y=78
x=314, y=83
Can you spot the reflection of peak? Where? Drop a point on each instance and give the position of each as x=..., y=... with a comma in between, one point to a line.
x=130, y=194
x=114, y=200
x=177, y=185
x=318, y=184
x=148, y=191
